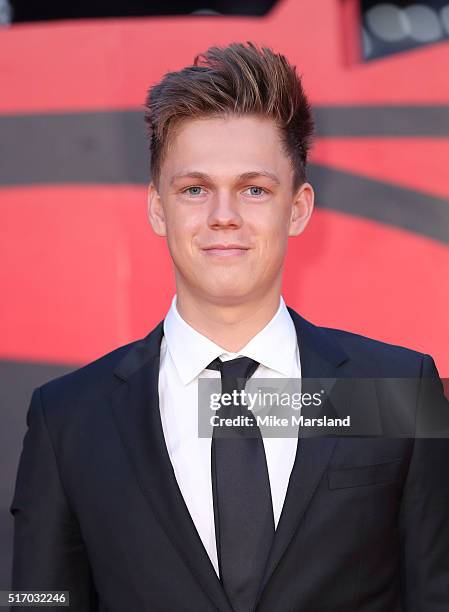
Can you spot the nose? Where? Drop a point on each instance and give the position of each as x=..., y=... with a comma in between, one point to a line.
x=224, y=211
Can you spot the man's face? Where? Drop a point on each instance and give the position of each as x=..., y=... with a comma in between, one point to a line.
x=225, y=203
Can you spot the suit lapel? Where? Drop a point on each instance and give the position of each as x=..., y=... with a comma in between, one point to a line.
x=136, y=411
x=320, y=358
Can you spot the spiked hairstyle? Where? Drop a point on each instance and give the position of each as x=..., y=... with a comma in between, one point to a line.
x=235, y=80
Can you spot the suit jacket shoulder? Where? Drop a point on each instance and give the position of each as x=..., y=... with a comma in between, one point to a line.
x=89, y=377
x=365, y=356
x=387, y=359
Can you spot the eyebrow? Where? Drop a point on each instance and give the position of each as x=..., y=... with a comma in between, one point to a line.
x=240, y=178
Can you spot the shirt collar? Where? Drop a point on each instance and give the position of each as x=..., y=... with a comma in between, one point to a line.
x=191, y=351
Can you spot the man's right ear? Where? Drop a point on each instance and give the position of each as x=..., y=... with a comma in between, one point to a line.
x=156, y=214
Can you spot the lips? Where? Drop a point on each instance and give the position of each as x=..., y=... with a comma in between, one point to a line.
x=225, y=250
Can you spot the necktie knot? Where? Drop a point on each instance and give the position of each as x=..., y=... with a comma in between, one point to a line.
x=240, y=367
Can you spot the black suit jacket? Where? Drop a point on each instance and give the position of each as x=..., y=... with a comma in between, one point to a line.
x=98, y=511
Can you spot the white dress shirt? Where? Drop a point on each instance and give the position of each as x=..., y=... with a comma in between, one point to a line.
x=185, y=353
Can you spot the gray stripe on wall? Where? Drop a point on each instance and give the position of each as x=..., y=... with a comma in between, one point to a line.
x=111, y=148
x=407, y=209
x=103, y=147
x=382, y=121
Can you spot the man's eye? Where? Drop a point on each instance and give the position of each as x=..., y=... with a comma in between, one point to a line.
x=256, y=191
x=193, y=191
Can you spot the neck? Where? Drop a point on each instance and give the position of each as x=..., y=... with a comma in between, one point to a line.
x=229, y=325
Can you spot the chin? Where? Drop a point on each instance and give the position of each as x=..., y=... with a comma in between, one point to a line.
x=225, y=294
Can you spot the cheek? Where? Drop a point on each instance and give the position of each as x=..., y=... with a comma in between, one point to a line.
x=181, y=228
x=271, y=230
x=273, y=246
x=182, y=236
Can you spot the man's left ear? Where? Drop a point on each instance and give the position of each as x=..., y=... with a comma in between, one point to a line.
x=302, y=208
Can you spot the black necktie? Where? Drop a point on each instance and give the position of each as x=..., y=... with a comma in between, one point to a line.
x=244, y=523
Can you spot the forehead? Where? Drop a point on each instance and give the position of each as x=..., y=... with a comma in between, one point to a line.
x=226, y=146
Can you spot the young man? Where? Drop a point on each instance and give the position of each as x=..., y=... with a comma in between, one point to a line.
x=119, y=500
